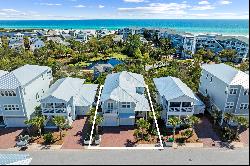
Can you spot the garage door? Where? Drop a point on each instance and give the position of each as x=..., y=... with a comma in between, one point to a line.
x=110, y=121
x=14, y=122
x=127, y=121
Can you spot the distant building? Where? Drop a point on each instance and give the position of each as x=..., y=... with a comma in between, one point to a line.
x=102, y=68
x=36, y=43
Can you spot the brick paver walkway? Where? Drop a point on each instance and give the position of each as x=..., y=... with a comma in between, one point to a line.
x=244, y=137
x=117, y=136
x=8, y=137
x=73, y=139
x=206, y=133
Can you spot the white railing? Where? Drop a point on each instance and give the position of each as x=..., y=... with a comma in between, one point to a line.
x=180, y=109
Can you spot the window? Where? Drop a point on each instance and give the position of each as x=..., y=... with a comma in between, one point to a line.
x=7, y=93
x=244, y=106
x=11, y=107
x=211, y=79
x=229, y=105
x=110, y=105
x=246, y=92
x=206, y=91
x=207, y=76
x=125, y=104
x=233, y=91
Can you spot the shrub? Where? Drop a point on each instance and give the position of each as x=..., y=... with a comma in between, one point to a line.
x=181, y=140
x=170, y=139
x=187, y=133
x=48, y=138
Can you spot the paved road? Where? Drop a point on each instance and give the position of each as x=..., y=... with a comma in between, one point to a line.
x=122, y=157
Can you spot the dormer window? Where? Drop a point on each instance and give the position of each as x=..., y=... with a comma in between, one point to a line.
x=246, y=92
x=233, y=91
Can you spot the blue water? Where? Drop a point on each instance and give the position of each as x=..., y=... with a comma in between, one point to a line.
x=236, y=27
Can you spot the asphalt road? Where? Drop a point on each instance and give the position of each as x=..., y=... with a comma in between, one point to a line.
x=140, y=157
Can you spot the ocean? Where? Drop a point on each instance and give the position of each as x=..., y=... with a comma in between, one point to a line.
x=226, y=27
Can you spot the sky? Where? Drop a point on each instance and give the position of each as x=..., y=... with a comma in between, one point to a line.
x=123, y=9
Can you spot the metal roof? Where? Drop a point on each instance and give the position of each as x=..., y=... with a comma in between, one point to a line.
x=172, y=88
x=67, y=88
x=15, y=159
x=122, y=86
x=21, y=76
x=228, y=74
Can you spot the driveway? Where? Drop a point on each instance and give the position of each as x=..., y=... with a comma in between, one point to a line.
x=244, y=137
x=8, y=137
x=206, y=133
x=73, y=138
x=121, y=136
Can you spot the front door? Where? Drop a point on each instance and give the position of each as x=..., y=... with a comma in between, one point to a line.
x=2, y=121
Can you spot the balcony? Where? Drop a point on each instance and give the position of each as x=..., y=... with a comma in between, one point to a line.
x=54, y=111
x=180, y=109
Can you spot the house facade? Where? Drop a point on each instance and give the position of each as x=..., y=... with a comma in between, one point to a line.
x=36, y=43
x=227, y=88
x=20, y=92
x=123, y=99
x=176, y=99
x=67, y=97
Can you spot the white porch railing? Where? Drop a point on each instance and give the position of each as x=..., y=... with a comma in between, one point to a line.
x=180, y=109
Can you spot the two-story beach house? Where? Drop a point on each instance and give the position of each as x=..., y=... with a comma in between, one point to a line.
x=67, y=97
x=20, y=92
x=176, y=99
x=36, y=43
x=123, y=99
x=227, y=88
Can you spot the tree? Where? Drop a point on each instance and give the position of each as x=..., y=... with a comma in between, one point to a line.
x=132, y=44
x=142, y=130
x=192, y=121
x=38, y=122
x=59, y=121
x=174, y=122
x=216, y=115
x=98, y=120
x=228, y=54
x=228, y=117
x=241, y=122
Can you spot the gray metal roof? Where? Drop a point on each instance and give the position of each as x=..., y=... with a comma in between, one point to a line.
x=15, y=159
x=67, y=88
x=121, y=87
x=228, y=74
x=172, y=88
x=103, y=67
x=21, y=76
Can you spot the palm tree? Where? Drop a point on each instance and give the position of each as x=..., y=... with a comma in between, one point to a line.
x=37, y=122
x=143, y=127
x=98, y=120
x=241, y=121
x=228, y=117
x=215, y=114
x=193, y=120
x=59, y=121
x=174, y=122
